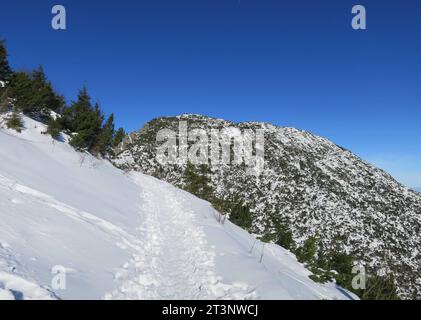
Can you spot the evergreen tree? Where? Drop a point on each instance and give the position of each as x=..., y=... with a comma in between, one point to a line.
x=104, y=139
x=21, y=92
x=380, y=288
x=83, y=121
x=54, y=128
x=283, y=235
x=15, y=122
x=118, y=137
x=73, y=117
x=4, y=100
x=34, y=95
x=88, y=127
x=342, y=263
x=308, y=251
x=241, y=216
x=54, y=101
x=197, y=181
x=67, y=119
x=39, y=80
x=45, y=96
x=5, y=70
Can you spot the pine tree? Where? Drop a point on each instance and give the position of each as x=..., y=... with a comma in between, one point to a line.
x=45, y=96
x=73, y=117
x=39, y=80
x=283, y=235
x=118, y=137
x=5, y=70
x=83, y=121
x=15, y=122
x=308, y=251
x=21, y=91
x=4, y=100
x=88, y=126
x=380, y=288
x=54, y=128
x=342, y=263
x=104, y=139
x=197, y=181
x=34, y=95
x=54, y=101
x=240, y=215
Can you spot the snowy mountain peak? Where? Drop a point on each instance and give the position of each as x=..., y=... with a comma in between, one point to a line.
x=310, y=187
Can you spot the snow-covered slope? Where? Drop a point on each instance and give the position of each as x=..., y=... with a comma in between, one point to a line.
x=313, y=187
x=124, y=235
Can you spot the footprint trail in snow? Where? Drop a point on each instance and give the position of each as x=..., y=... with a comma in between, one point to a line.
x=174, y=261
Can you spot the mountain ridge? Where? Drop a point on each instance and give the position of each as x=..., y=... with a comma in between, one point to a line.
x=316, y=187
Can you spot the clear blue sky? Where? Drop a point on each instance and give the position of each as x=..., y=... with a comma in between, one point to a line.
x=296, y=63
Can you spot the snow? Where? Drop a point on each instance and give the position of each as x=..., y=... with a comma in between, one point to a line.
x=124, y=235
x=13, y=287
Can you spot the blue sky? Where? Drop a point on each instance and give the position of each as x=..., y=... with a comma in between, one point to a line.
x=295, y=63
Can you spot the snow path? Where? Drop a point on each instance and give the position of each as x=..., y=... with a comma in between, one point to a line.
x=175, y=260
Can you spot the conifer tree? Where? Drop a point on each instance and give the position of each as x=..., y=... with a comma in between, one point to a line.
x=15, y=122
x=240, y=215
x=34, y=95
x=118, y=137
x=308, y=251
x=54, y=128
x=44, y=95
x=380, y=288
x=72, y=117
x=104, y=139
x=88, y=127
x=283, y=235
x=21, y=92
x=197, y=181
x=4, y=100
x=5, y=70
x=342, y=263
x=84, y=121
